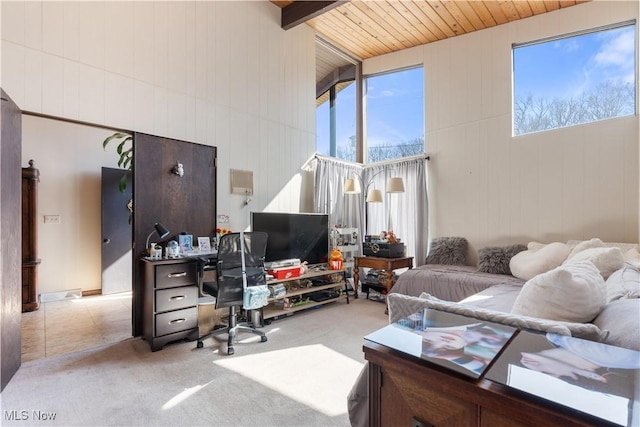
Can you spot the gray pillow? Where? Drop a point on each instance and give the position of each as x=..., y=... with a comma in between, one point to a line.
x=495, y=259
x=448, y=251
x=620, y=317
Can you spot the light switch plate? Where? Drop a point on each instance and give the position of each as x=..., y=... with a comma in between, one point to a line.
x=52, y=219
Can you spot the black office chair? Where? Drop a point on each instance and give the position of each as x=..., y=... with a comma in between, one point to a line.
x=228, y=289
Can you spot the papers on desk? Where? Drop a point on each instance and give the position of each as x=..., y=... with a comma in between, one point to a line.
x=196, y=252
x=187, y=254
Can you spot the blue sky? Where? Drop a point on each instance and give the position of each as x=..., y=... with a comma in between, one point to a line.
x=395, y=107
x=568, y=67
x=395, y=111
x=561, y=68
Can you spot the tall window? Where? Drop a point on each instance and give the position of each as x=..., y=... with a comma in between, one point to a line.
x=394, y=116
x=575, y=79
x=336, y=130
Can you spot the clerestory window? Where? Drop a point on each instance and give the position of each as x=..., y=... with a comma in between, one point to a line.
x=574, y=79
x=394, y=115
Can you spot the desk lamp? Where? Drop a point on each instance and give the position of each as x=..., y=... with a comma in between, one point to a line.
x=161, y=230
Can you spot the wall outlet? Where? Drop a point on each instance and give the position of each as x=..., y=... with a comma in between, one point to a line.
x=52, y=219
x=222, y=218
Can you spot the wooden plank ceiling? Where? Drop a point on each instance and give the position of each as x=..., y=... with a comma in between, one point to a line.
x=368, y=28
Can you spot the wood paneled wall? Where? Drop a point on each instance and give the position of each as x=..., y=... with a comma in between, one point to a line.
x=493, y=188
x=186, y=203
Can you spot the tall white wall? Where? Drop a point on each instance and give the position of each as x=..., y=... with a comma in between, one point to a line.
x=484, y=184
x=221, y=73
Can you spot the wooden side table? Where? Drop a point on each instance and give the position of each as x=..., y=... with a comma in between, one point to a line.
x=388, y=264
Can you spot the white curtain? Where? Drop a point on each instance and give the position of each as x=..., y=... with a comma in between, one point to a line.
x=344, y=209
x=407, y=214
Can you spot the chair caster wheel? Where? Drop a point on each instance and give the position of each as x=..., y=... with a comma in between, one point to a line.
x=200, y=344
x=263, y=338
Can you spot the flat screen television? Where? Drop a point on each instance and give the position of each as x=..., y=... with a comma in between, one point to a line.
x=294, y=235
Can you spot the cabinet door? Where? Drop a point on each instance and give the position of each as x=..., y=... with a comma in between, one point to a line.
x=10, y=293
x=400, y=395
x=405, y=397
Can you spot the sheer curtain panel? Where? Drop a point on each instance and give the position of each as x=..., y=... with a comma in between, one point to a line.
x=343, y=209
x=407, y=214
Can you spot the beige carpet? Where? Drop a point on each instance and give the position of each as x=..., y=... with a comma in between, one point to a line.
x=299, y=377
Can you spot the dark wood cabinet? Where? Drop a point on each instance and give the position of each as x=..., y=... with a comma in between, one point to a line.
x=170, y=301
x=403, y=389
x=30, y=260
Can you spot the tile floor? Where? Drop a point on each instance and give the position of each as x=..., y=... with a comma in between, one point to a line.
x=75, y=324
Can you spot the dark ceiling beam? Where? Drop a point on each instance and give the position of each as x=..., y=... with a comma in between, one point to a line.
x=299, y=12
x=342, y=74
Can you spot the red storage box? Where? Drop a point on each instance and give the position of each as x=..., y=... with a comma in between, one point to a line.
x=285, y=272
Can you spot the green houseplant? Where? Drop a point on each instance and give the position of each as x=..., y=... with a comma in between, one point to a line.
x=124, y=149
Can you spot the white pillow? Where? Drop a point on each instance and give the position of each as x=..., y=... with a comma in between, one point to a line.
x=623, y=283
x=622, y=246
x=534, y=246
x=569, y=293
x=607, y=260
x=527, y=264
x=586, y=244
x=632, y=256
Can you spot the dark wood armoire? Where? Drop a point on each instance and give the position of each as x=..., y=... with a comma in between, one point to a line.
x=30, y=260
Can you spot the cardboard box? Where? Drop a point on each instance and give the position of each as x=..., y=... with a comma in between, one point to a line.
x=285, y=273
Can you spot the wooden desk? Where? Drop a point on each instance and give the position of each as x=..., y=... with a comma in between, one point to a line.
x=388, y=264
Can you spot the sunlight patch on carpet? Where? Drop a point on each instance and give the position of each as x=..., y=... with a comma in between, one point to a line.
x=313, y=375
x=182, y=396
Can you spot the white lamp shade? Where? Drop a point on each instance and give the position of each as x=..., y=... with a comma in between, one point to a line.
x=395, y=185
x=374, y=196
x=351, y=187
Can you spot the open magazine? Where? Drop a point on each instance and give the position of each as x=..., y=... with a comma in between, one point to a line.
x=594, y=378
x=463, y=344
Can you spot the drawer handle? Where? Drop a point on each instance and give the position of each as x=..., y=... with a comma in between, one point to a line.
x=177, y=298
x=173, y=275
x=177, y=321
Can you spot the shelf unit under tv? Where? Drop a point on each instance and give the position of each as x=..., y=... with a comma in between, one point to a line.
x=271, y=311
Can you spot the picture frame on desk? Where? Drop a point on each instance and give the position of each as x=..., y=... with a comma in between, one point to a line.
x=204, y=244
x=185, y=241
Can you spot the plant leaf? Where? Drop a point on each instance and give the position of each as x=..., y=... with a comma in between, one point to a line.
x=116, y=135
x=122, y=184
